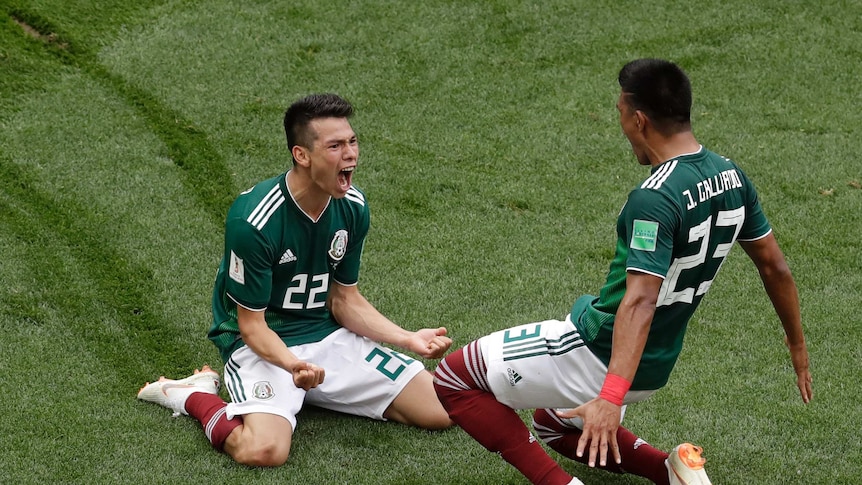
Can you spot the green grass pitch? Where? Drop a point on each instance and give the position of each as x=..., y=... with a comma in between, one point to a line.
x=494, y=166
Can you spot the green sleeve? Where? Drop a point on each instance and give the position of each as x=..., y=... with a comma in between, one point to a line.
x=347, y=271
x=249, y=256
x=647, y=226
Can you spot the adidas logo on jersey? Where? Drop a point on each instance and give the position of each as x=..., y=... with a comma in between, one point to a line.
x=287, y=257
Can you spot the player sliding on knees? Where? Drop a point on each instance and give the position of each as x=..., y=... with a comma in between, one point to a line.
x=673, y=234
x=289, y=320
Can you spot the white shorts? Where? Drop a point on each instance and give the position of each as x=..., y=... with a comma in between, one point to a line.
x=362, y=378
x=545, y=365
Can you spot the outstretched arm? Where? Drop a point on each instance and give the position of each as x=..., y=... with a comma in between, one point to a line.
x=353, y=312
x=631, y=328
x=781, y=289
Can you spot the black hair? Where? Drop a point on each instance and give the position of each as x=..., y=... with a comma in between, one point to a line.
x=661, y=90
x=300, y=114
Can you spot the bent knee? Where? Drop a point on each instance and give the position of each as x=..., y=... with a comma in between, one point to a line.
x=263, y=455
x=438, y=421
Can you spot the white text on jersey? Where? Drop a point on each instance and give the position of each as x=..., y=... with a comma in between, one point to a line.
x=713, y=186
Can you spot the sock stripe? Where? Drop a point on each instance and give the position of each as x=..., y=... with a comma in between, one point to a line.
x=475, y=363
x=211, y=424
x=446, y=377
x=550, y=431
x=545, y=433
x=551, y=414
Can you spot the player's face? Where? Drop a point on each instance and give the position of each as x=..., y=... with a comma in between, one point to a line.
x=631, y=125
x=333, y=155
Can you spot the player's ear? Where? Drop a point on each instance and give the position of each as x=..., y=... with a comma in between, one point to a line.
x=641, y=120
x=300, y=155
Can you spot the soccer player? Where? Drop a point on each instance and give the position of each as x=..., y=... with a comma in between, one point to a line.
x=673, y=234
x=289, y=320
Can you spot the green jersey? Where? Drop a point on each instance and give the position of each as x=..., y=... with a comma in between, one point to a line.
x=279, y=260
x=679, y=224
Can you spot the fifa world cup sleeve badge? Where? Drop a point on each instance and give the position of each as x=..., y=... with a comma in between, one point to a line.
x=236, y=271
x=644, y=235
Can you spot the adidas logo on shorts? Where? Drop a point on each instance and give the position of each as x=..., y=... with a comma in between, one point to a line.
x=514, y=377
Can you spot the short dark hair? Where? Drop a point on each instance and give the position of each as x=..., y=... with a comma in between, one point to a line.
x=660, y=89
x=300, y=114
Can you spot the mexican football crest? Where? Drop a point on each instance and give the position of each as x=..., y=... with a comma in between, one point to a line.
x=338, y=246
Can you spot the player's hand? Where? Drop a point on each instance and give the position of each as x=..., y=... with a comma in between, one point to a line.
x=803, y=381
x=430, y=343
x=601, y=421
x=799, y=357
x=306, y=375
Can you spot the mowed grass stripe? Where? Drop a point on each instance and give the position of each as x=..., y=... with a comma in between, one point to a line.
x=37, y=217
x=205, y=173
x=500, y=113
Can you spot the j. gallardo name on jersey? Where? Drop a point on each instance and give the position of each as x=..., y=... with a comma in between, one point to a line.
x=713, y=186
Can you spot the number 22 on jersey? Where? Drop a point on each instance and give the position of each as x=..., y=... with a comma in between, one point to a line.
x=695, y=273
x=308, y=294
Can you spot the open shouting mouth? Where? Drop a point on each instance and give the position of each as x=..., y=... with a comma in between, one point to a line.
x=345, y=177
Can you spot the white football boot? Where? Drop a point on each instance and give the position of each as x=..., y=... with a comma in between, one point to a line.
x=685, y=466
x=172, y=394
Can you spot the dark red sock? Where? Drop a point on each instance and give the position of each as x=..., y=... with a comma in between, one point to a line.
x=209, y=409
x=638, y=457
x=494, y=425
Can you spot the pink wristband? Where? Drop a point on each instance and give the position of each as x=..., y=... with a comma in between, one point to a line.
x=614, y=389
